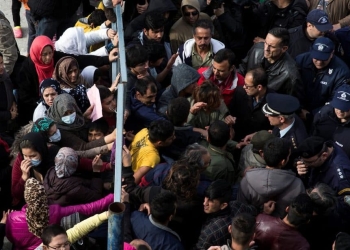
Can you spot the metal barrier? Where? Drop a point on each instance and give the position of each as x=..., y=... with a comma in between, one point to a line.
x=119, y=66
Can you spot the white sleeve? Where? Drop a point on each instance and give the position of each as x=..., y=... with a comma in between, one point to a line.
x=95, y=36
x=99, y=52
x=39, y=112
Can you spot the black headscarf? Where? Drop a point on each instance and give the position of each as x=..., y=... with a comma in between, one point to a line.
x=39, y=145
x=47, y=83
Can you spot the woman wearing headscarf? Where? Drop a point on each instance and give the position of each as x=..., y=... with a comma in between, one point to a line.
x=49, y=89
x=24, y=227
x=69, y=119
x=33, y=160
x=39, y=66
x=91, y=74
x=67, y=74
x=65, y=188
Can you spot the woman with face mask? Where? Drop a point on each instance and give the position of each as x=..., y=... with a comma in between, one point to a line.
x=33, y=160
x=48, y=128
x=74, y=131
x=49, y=89
x=68, y=75
x=39, y=66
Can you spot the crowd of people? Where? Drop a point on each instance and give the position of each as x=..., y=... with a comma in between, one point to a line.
x=236, y=125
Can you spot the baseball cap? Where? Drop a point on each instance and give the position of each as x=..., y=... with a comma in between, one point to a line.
x=341, y=98
x=322, y=48
x=319, y=18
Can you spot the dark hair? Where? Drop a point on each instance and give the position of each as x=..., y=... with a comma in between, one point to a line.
x=282, y=34
x=204, y=24
x=218, y=133
x=259, y=76
x=155, y=51
x=154, y=20
x=276, y=150
x=99, y=125
x=163, y=206
x=209, y=93
x=142, y=84
x=243, y=228
x=160, y=130
x=183, y=179
x=97, y=17
x=51, y=231
x=104, y=92
x=1, y=55
x=300, y=210
x=323, y=198
x=194, y=153
x=178, y=110
x=97, y=75
x=219, y=190
x=136, y=55
x=225, y=54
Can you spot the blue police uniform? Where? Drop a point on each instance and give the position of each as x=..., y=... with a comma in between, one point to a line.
x=335, y=172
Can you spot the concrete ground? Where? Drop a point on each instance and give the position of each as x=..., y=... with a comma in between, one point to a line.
x=5, y=7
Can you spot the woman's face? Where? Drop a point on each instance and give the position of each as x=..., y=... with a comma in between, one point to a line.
x=52, y=130
x=59, y=242
x=30, y=154
x=73, y=74
x=68, y=112
x=49, y=95
x=47, y=54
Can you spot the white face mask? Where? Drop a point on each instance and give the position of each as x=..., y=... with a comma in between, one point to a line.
x=56, y=136
x=69, y=119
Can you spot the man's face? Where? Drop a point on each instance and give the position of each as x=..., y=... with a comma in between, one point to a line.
x=211, y=206
x=149, y=98
x=249, y=87
x=202, y=38
x=222, y=70
x=322, y=64
x=94, y=135
x=2, y=66
x=274, y=120
x=313, y=32
x=273, y=49
x=141, y=68
x=155, y=35
x=190, y=15
x=344, y=115
x=109, y=104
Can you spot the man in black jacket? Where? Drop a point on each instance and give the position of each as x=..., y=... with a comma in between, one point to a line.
x=247, y=103
x=272, y=55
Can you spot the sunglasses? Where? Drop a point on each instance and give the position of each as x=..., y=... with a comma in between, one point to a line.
x=194, y=13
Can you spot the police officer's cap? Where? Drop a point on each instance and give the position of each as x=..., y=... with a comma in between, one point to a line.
x=280, y=104
x=311, y=146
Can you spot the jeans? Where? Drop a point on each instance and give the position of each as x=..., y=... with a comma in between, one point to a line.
x=51, y=26
x=31, y=29
x=16, y=8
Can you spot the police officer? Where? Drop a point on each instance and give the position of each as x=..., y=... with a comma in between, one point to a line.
x=328, y=164
x=332, y=122
x=303, y=36
x=280, y=110
x=322, y=73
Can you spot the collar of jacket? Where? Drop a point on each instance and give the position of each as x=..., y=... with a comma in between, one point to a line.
x=156, y=224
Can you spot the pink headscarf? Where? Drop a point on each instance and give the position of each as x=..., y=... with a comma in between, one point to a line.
x=43, y=70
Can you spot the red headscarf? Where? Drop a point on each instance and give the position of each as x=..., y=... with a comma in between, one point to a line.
x=43, y=70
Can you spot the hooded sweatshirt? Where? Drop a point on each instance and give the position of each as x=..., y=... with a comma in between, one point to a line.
x=181, y=31
x=183, y=76
x=261, y=185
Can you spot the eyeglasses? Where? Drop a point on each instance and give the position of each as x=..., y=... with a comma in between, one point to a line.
x=247, y=86
x=194, y=13
x=63, y=247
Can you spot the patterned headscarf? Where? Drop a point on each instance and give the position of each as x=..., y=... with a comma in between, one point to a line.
x=42, y=125
x=37, y=211
x=43, y=70
x=49, y=83
x=60, y=105
x=66, y=162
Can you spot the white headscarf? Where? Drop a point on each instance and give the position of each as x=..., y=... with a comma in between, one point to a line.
x=88, y=75
x=72, y=41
